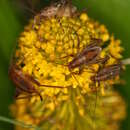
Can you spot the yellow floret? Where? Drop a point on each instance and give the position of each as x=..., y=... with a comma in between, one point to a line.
x=84, y=17
x=115, y=48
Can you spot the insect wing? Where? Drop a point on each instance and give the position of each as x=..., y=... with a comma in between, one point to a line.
x=110, y=71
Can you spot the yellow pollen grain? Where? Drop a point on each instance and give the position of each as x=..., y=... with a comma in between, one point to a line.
x=47, y=36
x=80, y=31
x=59, y=49
x=84, y=17
x=49, y=48
x=81, y=112
x=43, y=46
x=38, y=44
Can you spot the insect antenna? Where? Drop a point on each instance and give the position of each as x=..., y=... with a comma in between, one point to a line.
x=30, y=10
x=44, y=85
x=27, y=5
x=31, y=5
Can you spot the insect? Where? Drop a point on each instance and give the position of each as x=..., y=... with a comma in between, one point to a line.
x=24, y=82
x=104, y=74
x=110, y=72
x=58, y=9
x=107, y=73
x=88, y=56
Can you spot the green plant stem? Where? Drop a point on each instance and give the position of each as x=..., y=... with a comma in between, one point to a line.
x=19, y=123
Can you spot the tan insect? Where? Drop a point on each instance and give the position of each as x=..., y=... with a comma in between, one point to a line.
x=25, y=83
x=58, y=9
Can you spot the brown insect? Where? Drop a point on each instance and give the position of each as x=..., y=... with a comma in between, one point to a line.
x=104, y=74
x=108, y=72
x=88, y=56
x=58, y=9
x=25, y=83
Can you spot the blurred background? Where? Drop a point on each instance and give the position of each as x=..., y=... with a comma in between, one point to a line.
x=15, y=14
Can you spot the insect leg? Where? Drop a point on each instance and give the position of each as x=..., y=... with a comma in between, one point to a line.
x=80, y=69
x=92, y=70
x=69, y=2
x=96, y=41
x=17, y=92
x=30, y=91
x=51, y=86
x=96, y=99
x=48, y=86
x=74, y=77
x=72, y=55
x=102, y=60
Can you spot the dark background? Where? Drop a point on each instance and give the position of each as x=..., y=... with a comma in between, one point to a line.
x=14, y=14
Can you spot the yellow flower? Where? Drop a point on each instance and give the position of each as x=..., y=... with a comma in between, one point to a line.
x=44, y=52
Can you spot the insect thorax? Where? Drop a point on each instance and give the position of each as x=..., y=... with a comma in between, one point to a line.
x=59, y=9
